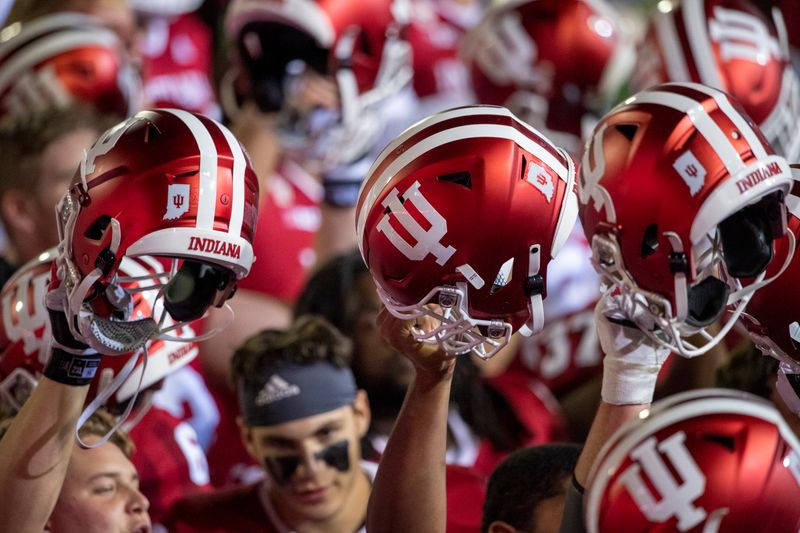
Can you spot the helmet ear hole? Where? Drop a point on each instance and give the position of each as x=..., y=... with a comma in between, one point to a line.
x=98, y=228
x=650, y=240
x=627, y=130
x=459, y=178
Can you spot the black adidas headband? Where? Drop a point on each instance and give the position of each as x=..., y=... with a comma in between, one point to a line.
x=291, y=392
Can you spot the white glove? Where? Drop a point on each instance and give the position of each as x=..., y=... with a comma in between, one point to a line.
x=632, y=362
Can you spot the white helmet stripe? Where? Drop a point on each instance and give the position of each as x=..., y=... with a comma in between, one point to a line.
x=469, y=111
x=207, y=195
x=41, y=26
x=471, y=131
x=239, y=165
x=694, y=19
x=759, y=150
x=34, y=53
x=709, y=129
x=671, y=47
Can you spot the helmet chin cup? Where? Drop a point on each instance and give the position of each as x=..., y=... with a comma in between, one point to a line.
x=457, y=332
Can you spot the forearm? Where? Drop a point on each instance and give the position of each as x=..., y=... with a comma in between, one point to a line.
x=35, y=453
x=607, y=421
x=409, y=492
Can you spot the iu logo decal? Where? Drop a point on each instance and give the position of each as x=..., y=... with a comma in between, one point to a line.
x=177, y=200
x=677, y=492
x=427, y=241
x=742, y=36
x=692, y=172
x=539, y=178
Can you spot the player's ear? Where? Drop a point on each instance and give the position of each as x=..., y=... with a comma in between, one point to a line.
x=247, y=438
x=15, y=208
x=361, y=412
x=498, y=526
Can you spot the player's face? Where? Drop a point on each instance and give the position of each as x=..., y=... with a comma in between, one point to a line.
x=100, y=494
x=548, y=513
x=313, y=463
x=59, y=161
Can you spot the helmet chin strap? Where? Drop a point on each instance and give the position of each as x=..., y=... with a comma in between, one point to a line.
x=534, y=286
x=105, y=393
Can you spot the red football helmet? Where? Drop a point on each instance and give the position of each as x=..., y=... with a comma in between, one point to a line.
x=59, y=59
x=165, y=183
x=357, y=42
x=730, y=45
x=709, y=460
x=465, y=209
x=676, y=183
x=551, y=62
x=25, y=336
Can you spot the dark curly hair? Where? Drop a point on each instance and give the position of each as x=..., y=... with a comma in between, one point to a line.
x=308, y=339
x=525, y=478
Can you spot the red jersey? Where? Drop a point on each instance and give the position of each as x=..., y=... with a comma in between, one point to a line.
x=228, y=460
x=246, y=509
x=177, y=66
x=170, y=461
x=535, y=407
x=288, y=220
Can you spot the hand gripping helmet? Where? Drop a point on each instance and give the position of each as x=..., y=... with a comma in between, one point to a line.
x=709, y=460
x=729, y=45
x=772, y=318
x=60, y=59
x=551, y=62
x=465, y=210
x=357, y=42
x=25, y=337
x=166, y=183
x=676, y=185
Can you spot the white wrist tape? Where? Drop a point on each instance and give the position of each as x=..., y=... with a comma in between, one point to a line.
x=631, y=364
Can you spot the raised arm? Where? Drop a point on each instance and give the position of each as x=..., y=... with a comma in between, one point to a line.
x=630, y=369
x=36, y=448
x=409, y=491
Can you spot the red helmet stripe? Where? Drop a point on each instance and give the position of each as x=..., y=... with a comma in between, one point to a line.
x=472, y=131
x=709, y=129
x=207, y=195
x=239, y=165
x=724, y=103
